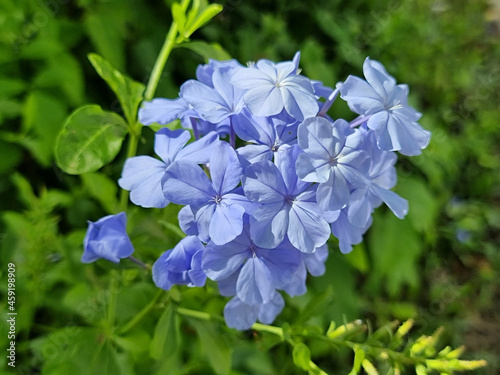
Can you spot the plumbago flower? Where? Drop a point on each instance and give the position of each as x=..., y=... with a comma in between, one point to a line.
x=143, y=175
x=384, y=108
x=268, y=180
x=107, y=238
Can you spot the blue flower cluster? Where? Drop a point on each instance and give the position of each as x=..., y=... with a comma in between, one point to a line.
x=260, y=207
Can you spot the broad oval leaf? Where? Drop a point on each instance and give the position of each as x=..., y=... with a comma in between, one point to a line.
x=90, y=139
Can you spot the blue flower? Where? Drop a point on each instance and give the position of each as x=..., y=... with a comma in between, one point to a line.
x=380, y=178
x=216, y=103
x=218, y=208
x=287, y=206
x=107, y=238
x=255, y=272
x=273, y=87
x=266, y=135
x=180, y=265
x=327, y=160
x=385, y=106
x=142, y=175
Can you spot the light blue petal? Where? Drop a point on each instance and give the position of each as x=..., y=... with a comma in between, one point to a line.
x=254, y=129
x=205, y=100
x=398, y=205
x=169, y=142
x=378, y=78
x=203, y=218
x=359, y=209
x=360, y=96
x=255, y=283
x=333, y=194
x=263, y=183
x=285, y=161
x=226, y=223
x=283, y=262
x=225, y=168
x=249, y=78
x=265, y=100
x=196, y=274
x=347, y=233
x=252, y=154
x=222, y=83
x=220, y=262
x=315, y=262
x=187, y=222
x=239, y=315
x=299, y=103
x=186, y=183
x=297, y=284
x=269, y=311
x=142, y=176
x=312, y=169
x=162, y=111
x=306, y=229
x=314, y=136
x=269, y=224
x=241, y=200
x=199, y=151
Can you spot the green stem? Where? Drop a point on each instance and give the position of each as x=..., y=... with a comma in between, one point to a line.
x=271, y=329
x=167, y=47
x=154, y=80
x=145, y=311
x=197, y=314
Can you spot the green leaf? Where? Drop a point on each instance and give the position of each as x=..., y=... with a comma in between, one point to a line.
x=43, y=117
x=204, y=17
x=11, y=86
x=214, y=345
x=10, y=156
x=395, y=248
x=63, y=72
x=179, y=17
x=128, y=91
x=166, y=337
x=103, y=189
x=424, y=207
x=90, y=138
x=302, y=356
x=105, y=360
x=207, y=50
x=315, y=305
x=106, y=28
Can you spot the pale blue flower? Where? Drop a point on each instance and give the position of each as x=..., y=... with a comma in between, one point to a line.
x=327, y=160
x=288, y=207
x=273, y=87
x=180, y=265
x=218, y=209
x=107, y=238
x=385, y=106
x=142, y=175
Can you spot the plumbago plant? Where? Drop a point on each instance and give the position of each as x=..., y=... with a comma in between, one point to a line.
x=269, y=177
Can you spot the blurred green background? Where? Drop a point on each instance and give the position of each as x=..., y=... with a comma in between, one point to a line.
x=439, y=266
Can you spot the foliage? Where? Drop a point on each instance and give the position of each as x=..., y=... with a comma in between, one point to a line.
x=75, y=318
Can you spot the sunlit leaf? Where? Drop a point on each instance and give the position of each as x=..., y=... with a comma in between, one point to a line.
x=90, y=138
